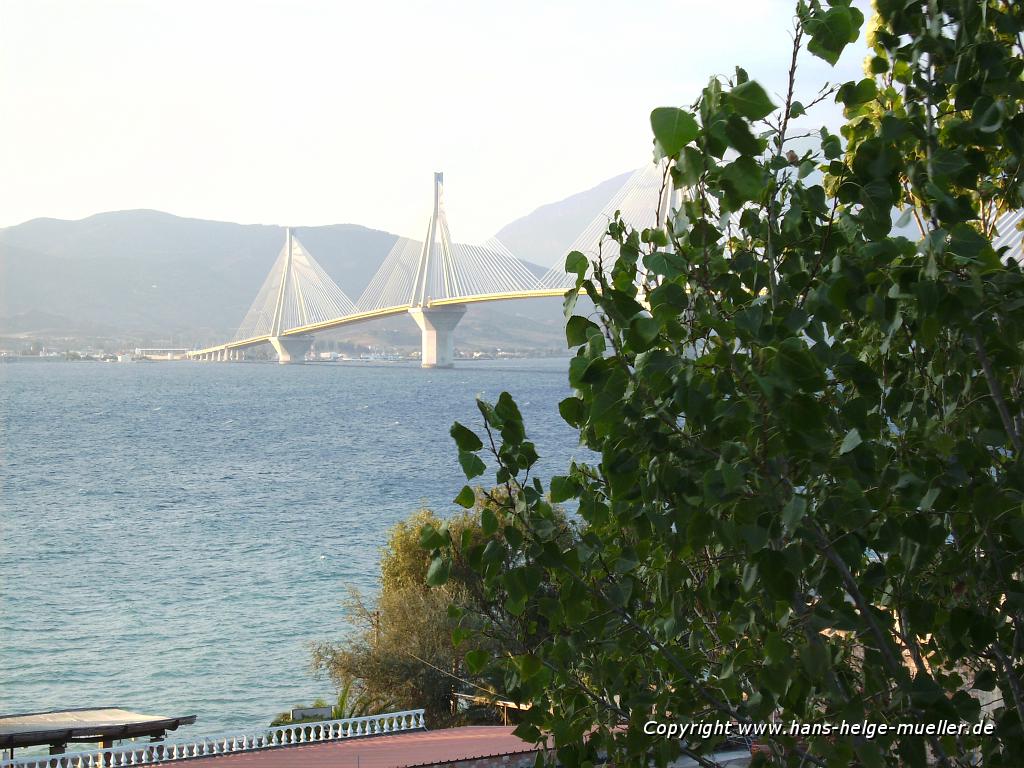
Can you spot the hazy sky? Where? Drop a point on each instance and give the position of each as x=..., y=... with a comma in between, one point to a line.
x=309, y=113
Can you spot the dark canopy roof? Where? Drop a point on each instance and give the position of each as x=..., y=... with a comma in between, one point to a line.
x=67, y=725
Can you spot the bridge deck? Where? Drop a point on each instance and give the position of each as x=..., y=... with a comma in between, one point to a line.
x=362, y=317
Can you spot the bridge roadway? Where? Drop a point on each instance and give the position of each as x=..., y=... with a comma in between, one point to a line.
x=432, y=280
x=232, y=349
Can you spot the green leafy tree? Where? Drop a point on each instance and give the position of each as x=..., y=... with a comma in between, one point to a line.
x=808, y=504
x=402, y=649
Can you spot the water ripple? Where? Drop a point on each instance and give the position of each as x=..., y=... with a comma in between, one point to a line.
x=174, y=535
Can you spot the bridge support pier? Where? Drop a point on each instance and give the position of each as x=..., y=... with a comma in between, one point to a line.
x=291, y=349
x=437, y=328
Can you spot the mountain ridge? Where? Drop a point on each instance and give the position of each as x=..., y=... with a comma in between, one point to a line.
x=154, y=275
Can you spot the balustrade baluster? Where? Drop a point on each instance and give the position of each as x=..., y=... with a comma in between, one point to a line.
x=304, y=733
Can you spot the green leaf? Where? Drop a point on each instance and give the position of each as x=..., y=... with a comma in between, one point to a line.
x=673, y=128
x=438, y=572
x=562, y=489
x=988, y=114
x=465, y=438
x=512, y=430
x=795, y=363
x=832, y=30
x=749, y=578
x=472, y=465
x=466, y=497
x=743, y=180
x=643, y=330
x=529, y=665
x=476, y=660
x=431, y=538
x=854, y=94
x=573, y=411
x=851, y=441
x=751, y=101
x=488, y=521
x=737, y=131
x=579, y=329
x=793, y=512
x=576, y=263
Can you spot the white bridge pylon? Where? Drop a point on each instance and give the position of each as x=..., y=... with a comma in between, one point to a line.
x=419, y=273
x=431, y=279
x=435, y=278
x=297, y=292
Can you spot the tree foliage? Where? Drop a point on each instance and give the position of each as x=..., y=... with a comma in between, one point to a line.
x=400, y=646
x=401, y=650
x=808, y=504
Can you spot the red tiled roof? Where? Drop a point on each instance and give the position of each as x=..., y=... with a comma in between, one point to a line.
x=400, y=750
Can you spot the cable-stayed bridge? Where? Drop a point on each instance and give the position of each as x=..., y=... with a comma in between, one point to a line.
x=433, y=280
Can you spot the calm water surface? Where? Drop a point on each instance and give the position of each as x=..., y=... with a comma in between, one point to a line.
x=173, y=535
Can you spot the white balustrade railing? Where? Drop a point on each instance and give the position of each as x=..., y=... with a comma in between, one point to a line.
x=280, y=736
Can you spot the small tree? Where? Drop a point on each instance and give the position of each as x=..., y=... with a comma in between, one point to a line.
x=810, y=498
x=402, y=651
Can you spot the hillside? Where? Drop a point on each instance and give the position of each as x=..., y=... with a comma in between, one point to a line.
x=151, y=277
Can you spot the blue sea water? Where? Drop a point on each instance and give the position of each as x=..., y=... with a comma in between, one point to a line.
x=174, y=535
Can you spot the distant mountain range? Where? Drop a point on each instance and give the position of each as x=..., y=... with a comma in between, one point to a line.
x=154, y=277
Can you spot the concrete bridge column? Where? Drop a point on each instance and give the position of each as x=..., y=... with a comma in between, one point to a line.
x=437, y=327
x=291, y=349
